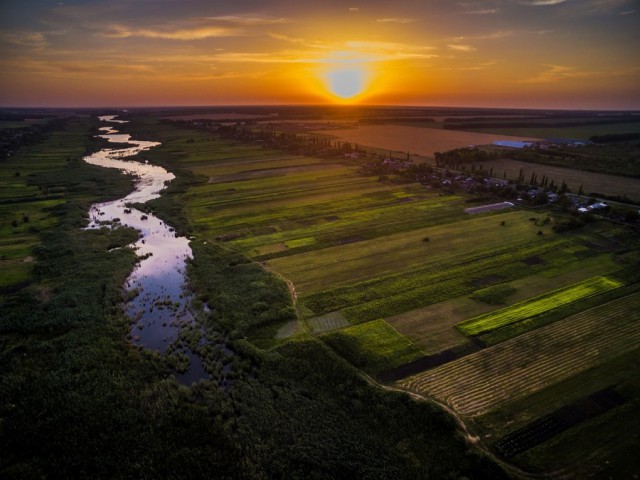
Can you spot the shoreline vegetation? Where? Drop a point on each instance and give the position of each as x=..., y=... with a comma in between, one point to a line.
x=285, y=400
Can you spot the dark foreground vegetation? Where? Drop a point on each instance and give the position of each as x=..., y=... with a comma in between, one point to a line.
x=78, y=401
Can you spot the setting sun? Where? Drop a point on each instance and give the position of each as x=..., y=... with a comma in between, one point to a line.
x=346, y=75
x=346, y=83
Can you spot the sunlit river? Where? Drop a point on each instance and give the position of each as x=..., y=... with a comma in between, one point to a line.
x=161, y=306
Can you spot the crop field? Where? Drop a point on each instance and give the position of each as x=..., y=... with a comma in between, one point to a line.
x=537, y=305
x=481, y=382
x=383, y=273
x=373, y=346
x=590, y=181
x=423, y=141
x=358, y=261
x=25, y=208
x=570, y=132
x=438, y=281
x=433, y=327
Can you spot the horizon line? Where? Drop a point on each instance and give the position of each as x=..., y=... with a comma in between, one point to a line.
x=313, y=105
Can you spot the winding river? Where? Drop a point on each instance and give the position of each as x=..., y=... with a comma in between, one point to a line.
x=160, y=304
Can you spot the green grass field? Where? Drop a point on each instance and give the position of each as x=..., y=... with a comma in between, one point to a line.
x=369, y=285
x=537, y=305
x=33, y=185
x=373, y=346
x=390, y=254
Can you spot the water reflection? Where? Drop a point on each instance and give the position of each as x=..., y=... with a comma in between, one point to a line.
x=160, y=308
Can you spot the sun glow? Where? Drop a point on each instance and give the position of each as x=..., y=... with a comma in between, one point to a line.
x=346, y=83
x=346, y=75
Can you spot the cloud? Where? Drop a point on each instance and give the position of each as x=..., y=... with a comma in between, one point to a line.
x=628, y=12
x=84, y=67
x=487, y=11
x=354, y=9
x=391, y=50
x=462, y=48
x=395, y=20
x=480, y=66
x=386, y=46
x=249, y=20
x=35, y=40
x=196, y=33
x=541, y=3
x=286, y=38
x=558, y=73
x=489, y=36
x=301, y=41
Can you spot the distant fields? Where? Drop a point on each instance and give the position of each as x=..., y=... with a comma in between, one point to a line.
x=25, y=207
x=590, y=181
x=392, y=274
x=423, y=141
x=431, y=137
x=571, y=132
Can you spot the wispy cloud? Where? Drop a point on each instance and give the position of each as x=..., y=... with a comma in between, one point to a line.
x=286, y=38
x=392, y=50
x=488, y=36
x=628, y=12
x=395, y=20
x=486, y=11
x=386, y=45
x=249, y=57
x=495, y=35
x=301, y=41
x=34, y=40
x=541, y=3
x=558, y=73
x=248, y=20
x=462, y=48
x=196, y=33
x=467, y=68
x=61, y=67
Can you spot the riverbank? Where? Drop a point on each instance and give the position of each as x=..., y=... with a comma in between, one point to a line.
x=159, y=304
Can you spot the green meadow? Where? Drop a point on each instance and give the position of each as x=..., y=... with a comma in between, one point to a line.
x=373, y=346
x=537, y=305
x=34, y=187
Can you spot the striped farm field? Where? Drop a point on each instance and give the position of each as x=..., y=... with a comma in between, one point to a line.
x=481, y=382
x=535, y=306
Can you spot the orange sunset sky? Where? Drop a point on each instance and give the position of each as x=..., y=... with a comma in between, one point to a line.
x=496, y=53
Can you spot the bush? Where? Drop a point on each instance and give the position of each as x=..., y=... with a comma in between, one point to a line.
x=494, y=295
